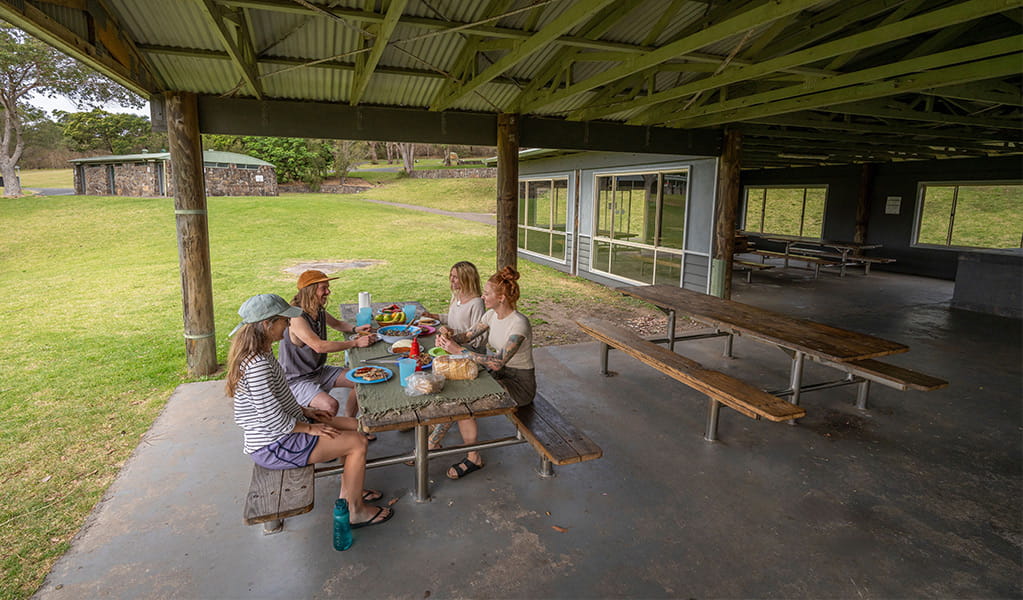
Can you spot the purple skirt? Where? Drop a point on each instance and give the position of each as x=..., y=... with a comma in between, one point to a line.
x=290, y=451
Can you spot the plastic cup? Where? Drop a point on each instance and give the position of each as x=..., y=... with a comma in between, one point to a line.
x=410, y=312
x=406, y=367
x=365, y=316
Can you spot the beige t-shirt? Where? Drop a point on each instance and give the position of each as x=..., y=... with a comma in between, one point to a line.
x=462, y=316
x=502, y=329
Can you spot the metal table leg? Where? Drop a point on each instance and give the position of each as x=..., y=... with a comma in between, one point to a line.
x=671, y=330
x=713, y=408
x=796, y=379
x=422, y=492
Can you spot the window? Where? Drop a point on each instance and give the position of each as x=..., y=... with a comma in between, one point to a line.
x=640, y=219
x=543, y=212
x=795, y=211
x=987, y=215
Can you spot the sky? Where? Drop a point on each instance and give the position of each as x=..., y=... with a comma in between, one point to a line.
x=62, y=103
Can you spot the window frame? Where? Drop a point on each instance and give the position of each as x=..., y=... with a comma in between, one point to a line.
x=918, y=214
x=549, y=230
x=680, y=252
x=802, y=215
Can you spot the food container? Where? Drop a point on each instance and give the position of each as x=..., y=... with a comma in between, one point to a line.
x=455, y=366
x=437, y=351
x=393, y=333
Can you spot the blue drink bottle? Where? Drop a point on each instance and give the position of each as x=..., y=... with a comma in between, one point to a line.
x=342, y=525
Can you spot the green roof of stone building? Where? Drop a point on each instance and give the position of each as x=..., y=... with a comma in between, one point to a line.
x=208, y=156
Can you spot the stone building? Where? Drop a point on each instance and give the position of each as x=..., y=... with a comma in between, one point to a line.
x=149, y=174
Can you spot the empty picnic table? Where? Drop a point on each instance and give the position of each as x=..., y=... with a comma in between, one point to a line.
x=800, y=337
x=844, y=253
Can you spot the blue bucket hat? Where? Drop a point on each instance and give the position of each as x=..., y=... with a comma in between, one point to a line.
x=263, y=307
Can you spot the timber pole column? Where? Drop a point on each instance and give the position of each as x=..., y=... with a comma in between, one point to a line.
x=866, y=190
x=725, y=214
x=193, y=232
x=507, y=189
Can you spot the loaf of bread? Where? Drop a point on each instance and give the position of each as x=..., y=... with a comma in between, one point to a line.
x=455, y=367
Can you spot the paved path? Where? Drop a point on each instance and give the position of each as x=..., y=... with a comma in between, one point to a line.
x=51, y=191
x=485, y=218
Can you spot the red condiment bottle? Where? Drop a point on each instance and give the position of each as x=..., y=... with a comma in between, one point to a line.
x=414, y=353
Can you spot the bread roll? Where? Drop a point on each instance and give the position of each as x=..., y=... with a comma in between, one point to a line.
x=455, y=367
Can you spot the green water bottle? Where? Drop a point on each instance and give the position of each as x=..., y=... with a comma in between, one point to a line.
x=342, y=525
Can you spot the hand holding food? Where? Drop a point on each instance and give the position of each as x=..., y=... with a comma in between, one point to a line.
x=363, y=341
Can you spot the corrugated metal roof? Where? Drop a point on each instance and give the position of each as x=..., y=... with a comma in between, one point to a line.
x=209, y=156
x=181, y=45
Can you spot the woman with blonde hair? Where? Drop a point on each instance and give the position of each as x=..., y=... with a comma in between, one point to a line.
x=278, y=432
x=509, y=357
x=466, y=306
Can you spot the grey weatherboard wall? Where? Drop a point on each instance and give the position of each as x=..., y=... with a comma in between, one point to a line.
x=581, y=168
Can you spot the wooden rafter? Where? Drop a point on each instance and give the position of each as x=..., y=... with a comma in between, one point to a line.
x=369, y=63
x=562, y=60
x=761, y=14
x=233, y=29
x=111, y=53
x=557, y=27
x=1009, y=125
x=882, y=35
x=1002, y=66
x=900, y=126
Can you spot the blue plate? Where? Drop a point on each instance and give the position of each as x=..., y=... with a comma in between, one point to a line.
x=350, y=376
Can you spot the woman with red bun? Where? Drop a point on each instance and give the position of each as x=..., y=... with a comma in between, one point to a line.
x=509, y=356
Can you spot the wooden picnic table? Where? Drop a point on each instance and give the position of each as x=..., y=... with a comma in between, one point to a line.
x=800, y=337
x=482, y=397
x=844, y=249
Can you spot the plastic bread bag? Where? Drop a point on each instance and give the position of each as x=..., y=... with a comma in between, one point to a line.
x=423, y=382
x=456, y=366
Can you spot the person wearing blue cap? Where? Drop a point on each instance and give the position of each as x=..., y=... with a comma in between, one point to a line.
x=278, y=432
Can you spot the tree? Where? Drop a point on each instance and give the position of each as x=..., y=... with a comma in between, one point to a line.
x=113, y=133
x=296, y=159
x=346, y=155
x=408, y=157
x=28, y=66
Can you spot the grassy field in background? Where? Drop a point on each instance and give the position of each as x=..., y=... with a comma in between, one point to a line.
x=93, y=348
x=46, y=178
x=457, y=195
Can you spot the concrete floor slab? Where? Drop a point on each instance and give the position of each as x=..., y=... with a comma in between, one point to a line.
x=918, y=496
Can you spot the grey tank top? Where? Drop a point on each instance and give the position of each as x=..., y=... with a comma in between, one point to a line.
x=303, y=361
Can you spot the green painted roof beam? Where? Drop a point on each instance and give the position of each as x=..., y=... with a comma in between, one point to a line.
x=363, y=75
x=762, y=14
x=949, y=131
x=237, y=42
x=925, y=63
x=558, y=26
x=1002, y=66
x=973, y=9
x=1009, y=125
x=565, y=56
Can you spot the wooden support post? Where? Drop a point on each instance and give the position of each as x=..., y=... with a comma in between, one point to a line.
x=725, y=214
x=507, y=189
x=193, y=232
x=866, y=190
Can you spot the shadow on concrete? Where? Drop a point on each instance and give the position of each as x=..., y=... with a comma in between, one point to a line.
x=918, y=496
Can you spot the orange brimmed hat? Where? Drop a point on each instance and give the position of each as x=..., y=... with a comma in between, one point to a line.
x=312, y=276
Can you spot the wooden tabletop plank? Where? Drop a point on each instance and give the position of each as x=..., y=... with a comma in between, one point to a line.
x=815, y=339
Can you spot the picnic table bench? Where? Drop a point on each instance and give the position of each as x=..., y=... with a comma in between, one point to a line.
x=815, y=261
x=849, y=351
x=718, y=387
x=748, y=267
x=275, y=495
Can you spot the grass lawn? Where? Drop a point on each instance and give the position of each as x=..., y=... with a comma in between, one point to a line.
x=47, y=178
x=93, y=346
x=457, y=195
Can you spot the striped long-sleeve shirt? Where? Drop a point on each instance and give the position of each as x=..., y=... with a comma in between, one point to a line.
x=264, y=406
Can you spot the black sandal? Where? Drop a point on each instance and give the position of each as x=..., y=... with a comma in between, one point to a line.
x=463, y=468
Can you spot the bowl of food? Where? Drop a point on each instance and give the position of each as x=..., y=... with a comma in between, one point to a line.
x=393, y=333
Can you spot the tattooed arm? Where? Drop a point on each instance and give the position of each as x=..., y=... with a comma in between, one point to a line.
x=496, y=362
